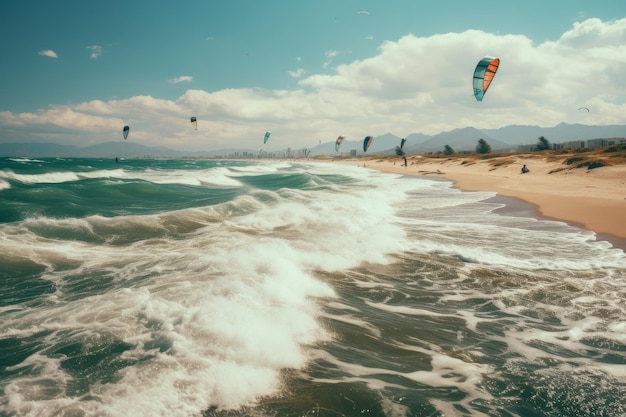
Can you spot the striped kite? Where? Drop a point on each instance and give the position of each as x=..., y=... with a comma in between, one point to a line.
x=483, y=75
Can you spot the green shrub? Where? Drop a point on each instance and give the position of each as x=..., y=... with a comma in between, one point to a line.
x=590, y=164
x=595, y=164
x=573, y=160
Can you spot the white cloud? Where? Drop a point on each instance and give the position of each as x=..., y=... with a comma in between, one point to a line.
x=49, y=53
x=413, y=84
x=331, y=54
x=181, y=79
x=329, y=57
x=60, y=116
x=588, y=32
x=297, y=73
x=96, y=51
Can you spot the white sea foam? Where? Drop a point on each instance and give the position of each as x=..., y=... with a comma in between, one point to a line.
x=219, y=322
x=48, y=178
x=4, y=185
x=461, y=224
x=213, y=302
x=213, y=176
x=26, y=160
x=218, y=176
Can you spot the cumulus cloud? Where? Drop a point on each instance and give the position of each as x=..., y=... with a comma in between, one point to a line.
x=96, y=51
x=49, y=53
x=412, y=84
x=587, y=33
x=62, y=116
x=182, y=79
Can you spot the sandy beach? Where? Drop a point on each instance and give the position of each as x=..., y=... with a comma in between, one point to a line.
x=559, y=184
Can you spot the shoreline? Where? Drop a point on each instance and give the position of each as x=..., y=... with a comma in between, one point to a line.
x=593, y=200
x=514, y=206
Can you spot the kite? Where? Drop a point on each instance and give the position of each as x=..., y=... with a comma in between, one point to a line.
x=399, y=149
x=338, y=142
x=483, y=75
x=267, y=136
x=194, y=123
x=367, y=142
x=584, y=108
x=125, y=131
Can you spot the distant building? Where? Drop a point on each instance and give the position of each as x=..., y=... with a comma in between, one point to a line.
x=574, y=144
x=599, y=143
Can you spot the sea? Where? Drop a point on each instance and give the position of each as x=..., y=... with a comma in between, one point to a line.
x=296, y=288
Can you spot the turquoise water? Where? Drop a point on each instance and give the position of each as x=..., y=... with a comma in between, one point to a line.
x=276, y=288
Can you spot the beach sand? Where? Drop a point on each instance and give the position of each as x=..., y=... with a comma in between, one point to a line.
x=559, y=188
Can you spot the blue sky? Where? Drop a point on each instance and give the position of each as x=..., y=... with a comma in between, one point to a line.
x=75, y=72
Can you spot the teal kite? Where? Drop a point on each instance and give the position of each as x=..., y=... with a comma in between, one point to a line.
x=338, y=142
x=367, y=142
x=483, y=75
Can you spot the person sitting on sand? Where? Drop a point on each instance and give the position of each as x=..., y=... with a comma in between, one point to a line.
x=525, y=169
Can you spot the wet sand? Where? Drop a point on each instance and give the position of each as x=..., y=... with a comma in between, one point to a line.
x=591, y=199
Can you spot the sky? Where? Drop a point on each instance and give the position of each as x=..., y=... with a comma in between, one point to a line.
x=75, y=72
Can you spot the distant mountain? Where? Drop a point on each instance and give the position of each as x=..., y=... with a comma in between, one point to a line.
x=526, y=135
x=464, y=139
x=42, y=150
x=103, y=150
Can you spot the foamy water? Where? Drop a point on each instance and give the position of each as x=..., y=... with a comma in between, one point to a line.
x=187, y=287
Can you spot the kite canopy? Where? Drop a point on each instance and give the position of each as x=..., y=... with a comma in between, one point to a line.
x=367, y=142
x=584, y=108
x=338, y=142
x=267, y=136
x=125, y=131
x=194, y=123
x=483, y=75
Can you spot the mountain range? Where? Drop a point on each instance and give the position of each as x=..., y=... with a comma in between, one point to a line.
x=461, y=140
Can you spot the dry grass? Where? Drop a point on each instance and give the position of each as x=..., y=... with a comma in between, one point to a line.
x=570, y=158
